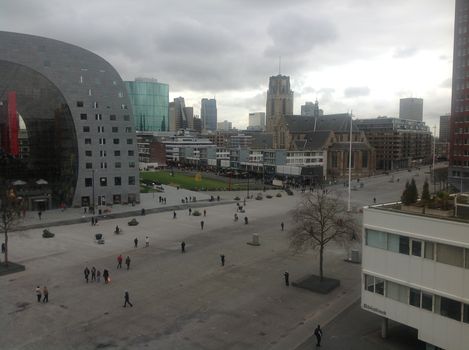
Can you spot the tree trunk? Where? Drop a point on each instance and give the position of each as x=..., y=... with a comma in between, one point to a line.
x=321, y=259
x=6, y=248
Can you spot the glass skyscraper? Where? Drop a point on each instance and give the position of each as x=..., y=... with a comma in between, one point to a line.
x=208, y=113
x=149, y=103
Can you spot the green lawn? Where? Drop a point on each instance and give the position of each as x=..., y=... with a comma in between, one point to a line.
x=186, y=181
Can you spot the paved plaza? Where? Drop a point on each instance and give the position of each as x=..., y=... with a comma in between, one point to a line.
x=180, y=301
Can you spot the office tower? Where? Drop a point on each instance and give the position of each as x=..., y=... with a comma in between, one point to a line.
x=411, y=108
x=279, y=100
x=311, y=109
x=208, y=113
x=445, y=128
x=257, y=121
x=180, y=116
x=224, y=125
x=459, y=135
x=149, y=100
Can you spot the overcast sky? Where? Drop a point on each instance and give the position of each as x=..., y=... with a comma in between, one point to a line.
x=360, y=55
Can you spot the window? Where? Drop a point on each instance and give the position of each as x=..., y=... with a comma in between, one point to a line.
x=416, y=247
x=95, y=104
x=429, y=250
x=117, y=181
x=112, y=117
x=100, y=128
x=102, y=141
x=83, y=116
x=88, y=153
x=414, y=297
x=131, y=164
x=89, y=92
x=79, y=103
x=98, y=116
x=115, y=141
x=450, y=255
x=397, y=292
x=427, y=301
x=393, y=243
x=465, y=316
x=103, y=181
x=120, y=94
x=123, y=106
x=126, y=117
x=115, y=129
x=118, y=165
x=86, y=129
x=376, y=239
x=128, y=129
x=103, y=165
x=448, y=307
x=130, y=153
x=365, y=159
x=131, y=180
x=467, y=258
x=88, y=182
x=130, y=141
x=89, y=165
x=379, y=286
x=369, y=283
x=404, y=245
x=117, y=153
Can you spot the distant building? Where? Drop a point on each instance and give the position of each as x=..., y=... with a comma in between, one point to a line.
x=197, y=124
x=180, y=116
x=257, y=121
x=224, y=125
x=311, y=109
x=445, y=121
x=279, y=100
x=240, y=141
x=208, y=114
x=149, y=100
x=411, y=108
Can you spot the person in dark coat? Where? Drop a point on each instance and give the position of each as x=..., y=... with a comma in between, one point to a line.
x=174, y=215
x=127, y=299
x=282, y=225
x=119, y=261
x=87, y=273
x=202, y=225
x=93, y=274
x=222, y=259
x=45, y=292
x=127, y=262
x=287, y=278
x=106, y=276
x=318, y=334
x=135, y=242
x=183, y=247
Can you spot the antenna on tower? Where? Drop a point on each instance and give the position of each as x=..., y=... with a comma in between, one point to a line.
x=279, y=65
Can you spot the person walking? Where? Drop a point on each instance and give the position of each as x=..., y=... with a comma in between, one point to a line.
x=3, y=248
x=106, y=276
x=190, y=211
x=92, y=221
x=119, y=261
x=174, y=214
x=135, y=242
x=127, y=262
x=282, y=225
x=222, y=259
x=39, y=214
x=147, y=241
x=38, y=294
x=374, y=200
x=318, y=334
x=127, y=299
x=205, y=212
x=93, y=274
x=287, y=278
x=202, y=225
x=87, y=273
x=246, y=220
x=183, y=247
x=45, y=292
x=98, y=276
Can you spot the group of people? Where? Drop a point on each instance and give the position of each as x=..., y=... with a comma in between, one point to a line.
x=162, y=200
x=42, y=294
x=96, y=275
x=94, y=221
x=120, y=259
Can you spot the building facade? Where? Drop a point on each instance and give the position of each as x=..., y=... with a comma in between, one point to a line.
x=224, y=125
x=180, y=116
x=149, y=100
x=311, y=109
x=257, y=121
x=445, y=127
x=411, y=108
x=279, y=100
x=208, y=113
x=415, y=271
x=78, y=118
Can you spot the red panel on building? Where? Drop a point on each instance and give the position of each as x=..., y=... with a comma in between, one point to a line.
x=13, y=125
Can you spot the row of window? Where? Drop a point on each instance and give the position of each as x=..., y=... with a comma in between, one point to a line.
x=95, y=105
x=103, y=153
x=103, y=181
x=459, y=174
x=442, y=253
x=440, y=305
x=100, y=129
x=99, y=116
x=103, y=165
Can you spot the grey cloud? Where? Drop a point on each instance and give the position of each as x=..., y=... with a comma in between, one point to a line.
x=446, y=83
x=356, y=91
x=405, y=52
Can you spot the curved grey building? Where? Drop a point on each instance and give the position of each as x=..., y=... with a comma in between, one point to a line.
x=78, y=117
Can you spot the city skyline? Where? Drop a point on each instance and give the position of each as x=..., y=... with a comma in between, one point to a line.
x=350, y=55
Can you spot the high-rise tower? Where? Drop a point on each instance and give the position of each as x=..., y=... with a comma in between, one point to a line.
x=459, y=135
x=279, y=100
x=208, y=113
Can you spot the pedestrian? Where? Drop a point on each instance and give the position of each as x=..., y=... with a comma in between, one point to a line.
x=187, y=201
x=93, y=274
x=119, y=261
x=282, y=225
x=174, y=214
x=374, y=200
x=39, y=214
x=98, y=276
x=235, y=217
x=127, y=262
x=183, y=247
x=92, y=221
x=45, y=292
x=246, y=220
x=3, y=248
x=95, y=221
x=147, y=242
x=202, y=225
x=127, y=299
x=287, y=278
x=87, y=273
x=106, y=276
x=190, y=211
x=205, y=212
x=318, y=334
x=222, y=258
x=117, y=229
x=84, y=210
x=38, y=294
x=135, y=242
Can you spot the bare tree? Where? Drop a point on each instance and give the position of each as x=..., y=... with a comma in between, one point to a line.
x=320, y=218
x=10, y=215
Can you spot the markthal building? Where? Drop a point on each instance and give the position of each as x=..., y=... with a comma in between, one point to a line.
x=67, y=133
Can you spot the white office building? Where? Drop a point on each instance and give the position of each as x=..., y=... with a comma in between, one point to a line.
x=416, y=272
